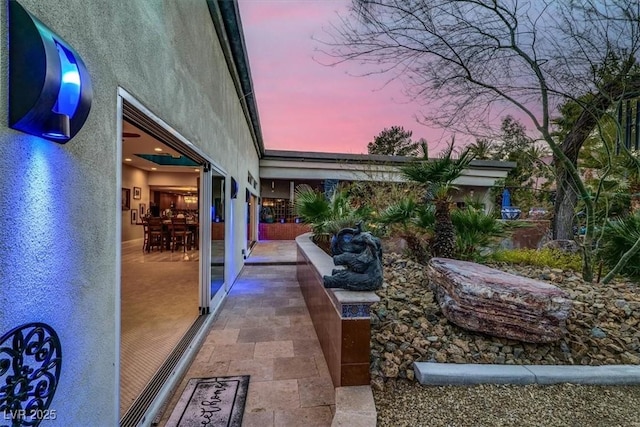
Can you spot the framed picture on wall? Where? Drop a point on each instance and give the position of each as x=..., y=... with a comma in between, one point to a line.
x=134, y=216
x=126, y=199
x=142, y=208
x=137, y=193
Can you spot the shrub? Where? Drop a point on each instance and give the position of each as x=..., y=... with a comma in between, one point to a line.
x=327, y=216
x=410, y=221
x=618, y=237
x=475, y=230
x=551, y=258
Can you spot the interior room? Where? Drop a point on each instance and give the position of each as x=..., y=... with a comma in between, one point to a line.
x=160, y=291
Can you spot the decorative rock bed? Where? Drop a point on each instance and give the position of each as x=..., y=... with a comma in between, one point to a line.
x=408, y=325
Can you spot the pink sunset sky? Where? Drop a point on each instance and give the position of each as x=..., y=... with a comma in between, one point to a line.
x=306, y=106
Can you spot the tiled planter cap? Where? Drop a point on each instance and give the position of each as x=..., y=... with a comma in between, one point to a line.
x=353, y=304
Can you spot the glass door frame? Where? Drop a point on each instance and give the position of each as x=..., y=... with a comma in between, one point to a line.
x=208, y=302
x=252, y=226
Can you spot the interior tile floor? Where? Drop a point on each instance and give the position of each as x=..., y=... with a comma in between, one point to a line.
x=264, y=330
x=159, y=302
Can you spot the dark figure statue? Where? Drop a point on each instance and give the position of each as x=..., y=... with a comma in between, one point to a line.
x=361, y=254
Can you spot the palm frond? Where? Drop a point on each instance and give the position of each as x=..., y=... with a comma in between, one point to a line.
x=443, y=170
x=475, y=230
x=311, y=205
x=425, y=217
x=619, y=236
x=399, y=213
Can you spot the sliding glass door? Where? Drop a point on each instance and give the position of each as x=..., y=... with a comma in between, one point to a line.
x=218, y=198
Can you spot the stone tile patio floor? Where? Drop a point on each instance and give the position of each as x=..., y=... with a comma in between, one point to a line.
x=264, y=330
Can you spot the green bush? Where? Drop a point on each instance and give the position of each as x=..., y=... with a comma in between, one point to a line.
x=475, y=230
x=618, y=237
x=327, y=216
x=415, y=222
x=412, y=222
x=551, y=258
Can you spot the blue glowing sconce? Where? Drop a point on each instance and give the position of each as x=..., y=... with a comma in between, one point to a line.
x=49, y=86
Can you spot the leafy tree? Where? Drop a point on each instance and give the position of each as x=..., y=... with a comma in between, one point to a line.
x=468, y=56
x=513, y=148
x=514, y=140
x=616, y=77
x=516, y=146
x=395, y=142
x=437, y=176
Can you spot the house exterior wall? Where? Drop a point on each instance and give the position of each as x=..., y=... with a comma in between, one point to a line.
x=291, y=169
x=59, y=258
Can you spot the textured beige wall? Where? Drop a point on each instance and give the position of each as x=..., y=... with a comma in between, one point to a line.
x=58, y=247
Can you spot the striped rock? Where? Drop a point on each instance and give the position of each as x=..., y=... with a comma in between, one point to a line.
x=483, y=299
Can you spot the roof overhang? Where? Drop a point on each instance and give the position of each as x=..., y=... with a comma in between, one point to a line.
x=226, y=20
x=362, y=167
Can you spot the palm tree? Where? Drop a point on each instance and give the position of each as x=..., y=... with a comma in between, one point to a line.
x=326, y=216
x=437, y=176
x=482, y=149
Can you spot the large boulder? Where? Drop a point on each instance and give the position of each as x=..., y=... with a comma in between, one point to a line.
x=483, y=299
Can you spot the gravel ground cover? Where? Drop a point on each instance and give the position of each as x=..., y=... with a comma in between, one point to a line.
x=565, y=405
x=408, y=326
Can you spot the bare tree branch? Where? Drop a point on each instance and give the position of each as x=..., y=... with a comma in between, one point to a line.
x=466, y=60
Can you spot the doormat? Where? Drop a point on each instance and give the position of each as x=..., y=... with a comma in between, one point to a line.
x=210, y=402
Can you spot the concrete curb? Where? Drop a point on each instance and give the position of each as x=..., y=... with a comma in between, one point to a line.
x=355, y=407
x=429, y=373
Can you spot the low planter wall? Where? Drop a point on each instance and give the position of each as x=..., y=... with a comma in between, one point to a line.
x=278, y=231
x=217, y=231
x=341, y=318
x=530, y=237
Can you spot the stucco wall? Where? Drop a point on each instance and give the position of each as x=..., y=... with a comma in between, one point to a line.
x=58, y=251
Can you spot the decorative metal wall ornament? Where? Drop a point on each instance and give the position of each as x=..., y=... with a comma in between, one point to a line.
x=30, y=362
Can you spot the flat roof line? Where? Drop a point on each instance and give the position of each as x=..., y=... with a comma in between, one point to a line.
x=311, y=156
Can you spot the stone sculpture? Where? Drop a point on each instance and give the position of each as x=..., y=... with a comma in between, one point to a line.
x=361, y=254
x=483, y=299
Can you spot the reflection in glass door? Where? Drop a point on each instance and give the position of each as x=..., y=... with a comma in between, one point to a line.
x=252, y=220
x=217, y=233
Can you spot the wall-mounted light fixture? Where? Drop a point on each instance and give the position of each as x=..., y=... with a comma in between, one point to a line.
x=49, y=86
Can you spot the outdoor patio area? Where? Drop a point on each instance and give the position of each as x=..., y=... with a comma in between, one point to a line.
x=264, y=330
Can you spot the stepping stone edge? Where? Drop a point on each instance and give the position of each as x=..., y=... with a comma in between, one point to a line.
x=430, y=373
